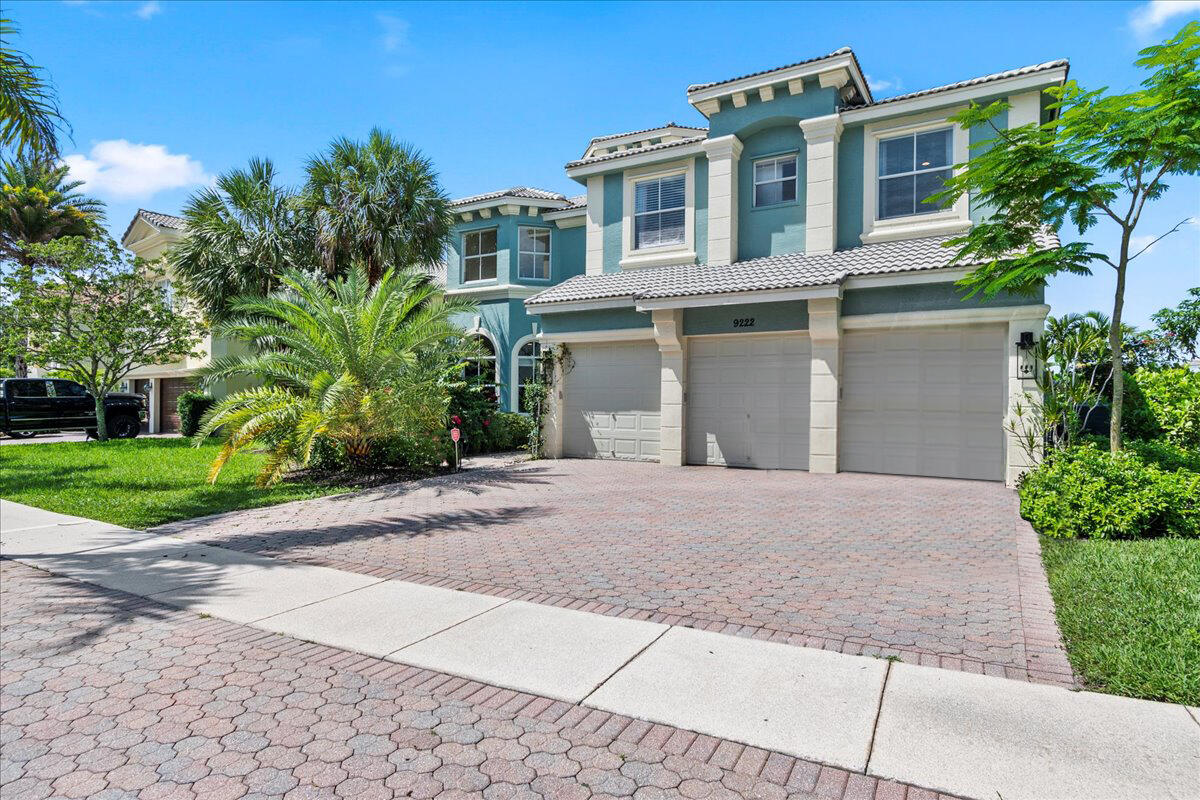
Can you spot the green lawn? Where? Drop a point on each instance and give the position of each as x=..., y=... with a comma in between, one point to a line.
x=138, y=483
x=1130, y=614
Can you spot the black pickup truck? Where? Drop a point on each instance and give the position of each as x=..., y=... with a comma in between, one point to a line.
x=29, y=406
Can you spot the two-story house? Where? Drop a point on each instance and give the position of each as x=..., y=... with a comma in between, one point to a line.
x=770, y=291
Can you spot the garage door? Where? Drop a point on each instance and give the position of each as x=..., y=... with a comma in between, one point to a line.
x=748, y=401
x=168, y=403
x=924, y=402
x=612, y=401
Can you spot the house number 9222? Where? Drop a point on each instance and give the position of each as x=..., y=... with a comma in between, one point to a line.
x=743, y=322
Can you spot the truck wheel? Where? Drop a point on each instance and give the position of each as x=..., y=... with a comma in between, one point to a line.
x=124, y=427
x=22, y=434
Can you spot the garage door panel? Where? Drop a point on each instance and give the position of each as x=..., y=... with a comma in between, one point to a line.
x=928, y=402
x=612, y=401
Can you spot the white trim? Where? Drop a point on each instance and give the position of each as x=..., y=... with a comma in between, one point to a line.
x=580, y=305
x=486, y=334
x=794, y=157
x=462, y=274
x=566, y=213
x=635, y=160
x=503, y=290
x=906, y=278
x=624, y=140
x=1024, y=109
x=505, y=200
x=664, y=255
x=953, y=220
x=833, y=65
x=740, y=298
x=574, y=221
x=548, y=254
x=514, y=371
x=610, y=335
x=958, y=316
x=949, y=97
x=594, y=238
x=748, y=334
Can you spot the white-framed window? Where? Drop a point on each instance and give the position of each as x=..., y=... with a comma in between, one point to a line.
x=483, y=366
x=479, y=255
x=527, y=363
x=774, y=181
x=533, y=253
x=659, y=210
x=168, y=292
x=911, y=169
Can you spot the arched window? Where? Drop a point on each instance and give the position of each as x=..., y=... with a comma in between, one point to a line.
x=484, y=365
x=527, y=358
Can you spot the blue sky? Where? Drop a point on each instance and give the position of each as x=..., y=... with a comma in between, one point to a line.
x=164, y=95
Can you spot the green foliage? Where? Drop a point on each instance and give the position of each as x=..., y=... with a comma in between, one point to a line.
x=1181, y=325
x=1085, y=493
x=192, y=407
x=1165, y=455
x=29, y=115
x=377, y=203
x=243, y=234
x=138, y=483
x=509, y=431
x=356, y=364
x=473, y=406
x=39, y=203
x=1165, y=403
x=87, y=310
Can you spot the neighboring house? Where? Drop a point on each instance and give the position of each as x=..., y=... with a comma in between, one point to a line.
x=148, y=236
x=770, y=291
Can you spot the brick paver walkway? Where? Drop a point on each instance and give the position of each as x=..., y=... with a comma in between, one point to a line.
x=940, y=572
x=107, y=695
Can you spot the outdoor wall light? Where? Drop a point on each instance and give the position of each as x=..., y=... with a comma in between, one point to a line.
x=1026, y=363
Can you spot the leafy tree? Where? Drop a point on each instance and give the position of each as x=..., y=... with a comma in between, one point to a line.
x=340, y=361
x=242, y=235
x=376, y=202
x=29, y=116
x=40, y=203
x=1104, y=158
x=88, y=311
x=1180, y=326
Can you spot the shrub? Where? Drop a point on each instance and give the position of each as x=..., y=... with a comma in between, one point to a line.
x=1164, y=403
x=473, y=407
x=509, y=431
x=409, y=453
x=192, y=406
x=1085, y=493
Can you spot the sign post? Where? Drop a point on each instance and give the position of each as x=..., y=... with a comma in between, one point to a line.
x=455, y=435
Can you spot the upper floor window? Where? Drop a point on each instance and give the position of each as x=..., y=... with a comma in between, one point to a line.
x=533, y=253
x=774, y=181
x=911, y=169
x=479, y=255
x=658, y=211
x=168, y=293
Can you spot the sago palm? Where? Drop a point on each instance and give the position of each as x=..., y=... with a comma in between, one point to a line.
x=39, y=203
x=345, y=361
x=243, y=233
x=378, y=202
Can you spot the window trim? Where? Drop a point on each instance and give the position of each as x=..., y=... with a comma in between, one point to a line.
x=463, y=244
x=755, y=183
x=955, y=219
x=660, y=255
x=549, y=253
x=484, y=333
x=515, y=371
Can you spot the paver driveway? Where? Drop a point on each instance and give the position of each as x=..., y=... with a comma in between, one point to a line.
x=937, y=571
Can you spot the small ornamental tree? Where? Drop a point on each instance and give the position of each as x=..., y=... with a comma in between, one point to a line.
x=88, y=311
x=1103, y=159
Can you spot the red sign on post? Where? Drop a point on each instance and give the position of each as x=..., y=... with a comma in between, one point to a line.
x=455, y=434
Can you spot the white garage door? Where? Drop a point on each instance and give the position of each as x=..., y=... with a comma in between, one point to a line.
x=924, y=402
x=748, y=401
x=612, y=401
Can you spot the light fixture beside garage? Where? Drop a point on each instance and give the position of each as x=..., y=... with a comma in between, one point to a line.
x=1026, y=362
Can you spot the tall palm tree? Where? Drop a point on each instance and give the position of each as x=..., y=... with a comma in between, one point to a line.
x=242, y=234
x=345, y=361
x=39, y=203
x=29, y=114
x=378, y=202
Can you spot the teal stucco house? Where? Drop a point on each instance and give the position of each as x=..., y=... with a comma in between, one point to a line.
x=768, y=291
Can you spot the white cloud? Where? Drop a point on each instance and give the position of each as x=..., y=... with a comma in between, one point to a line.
x=1148, y=18
x=149, y=9
x=118, y=168
x=881, y=85
x=1136, y=243
x=395, y=33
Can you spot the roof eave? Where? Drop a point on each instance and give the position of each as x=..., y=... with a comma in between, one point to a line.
x=583, y=169
x=810, y=69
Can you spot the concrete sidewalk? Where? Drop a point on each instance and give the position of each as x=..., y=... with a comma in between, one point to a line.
x=970, y=735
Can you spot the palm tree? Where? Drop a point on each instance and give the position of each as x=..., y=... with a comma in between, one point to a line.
x=378, y=202
x=343, y=361
x=29, y=115
x=39, y=203
x=243, y=233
